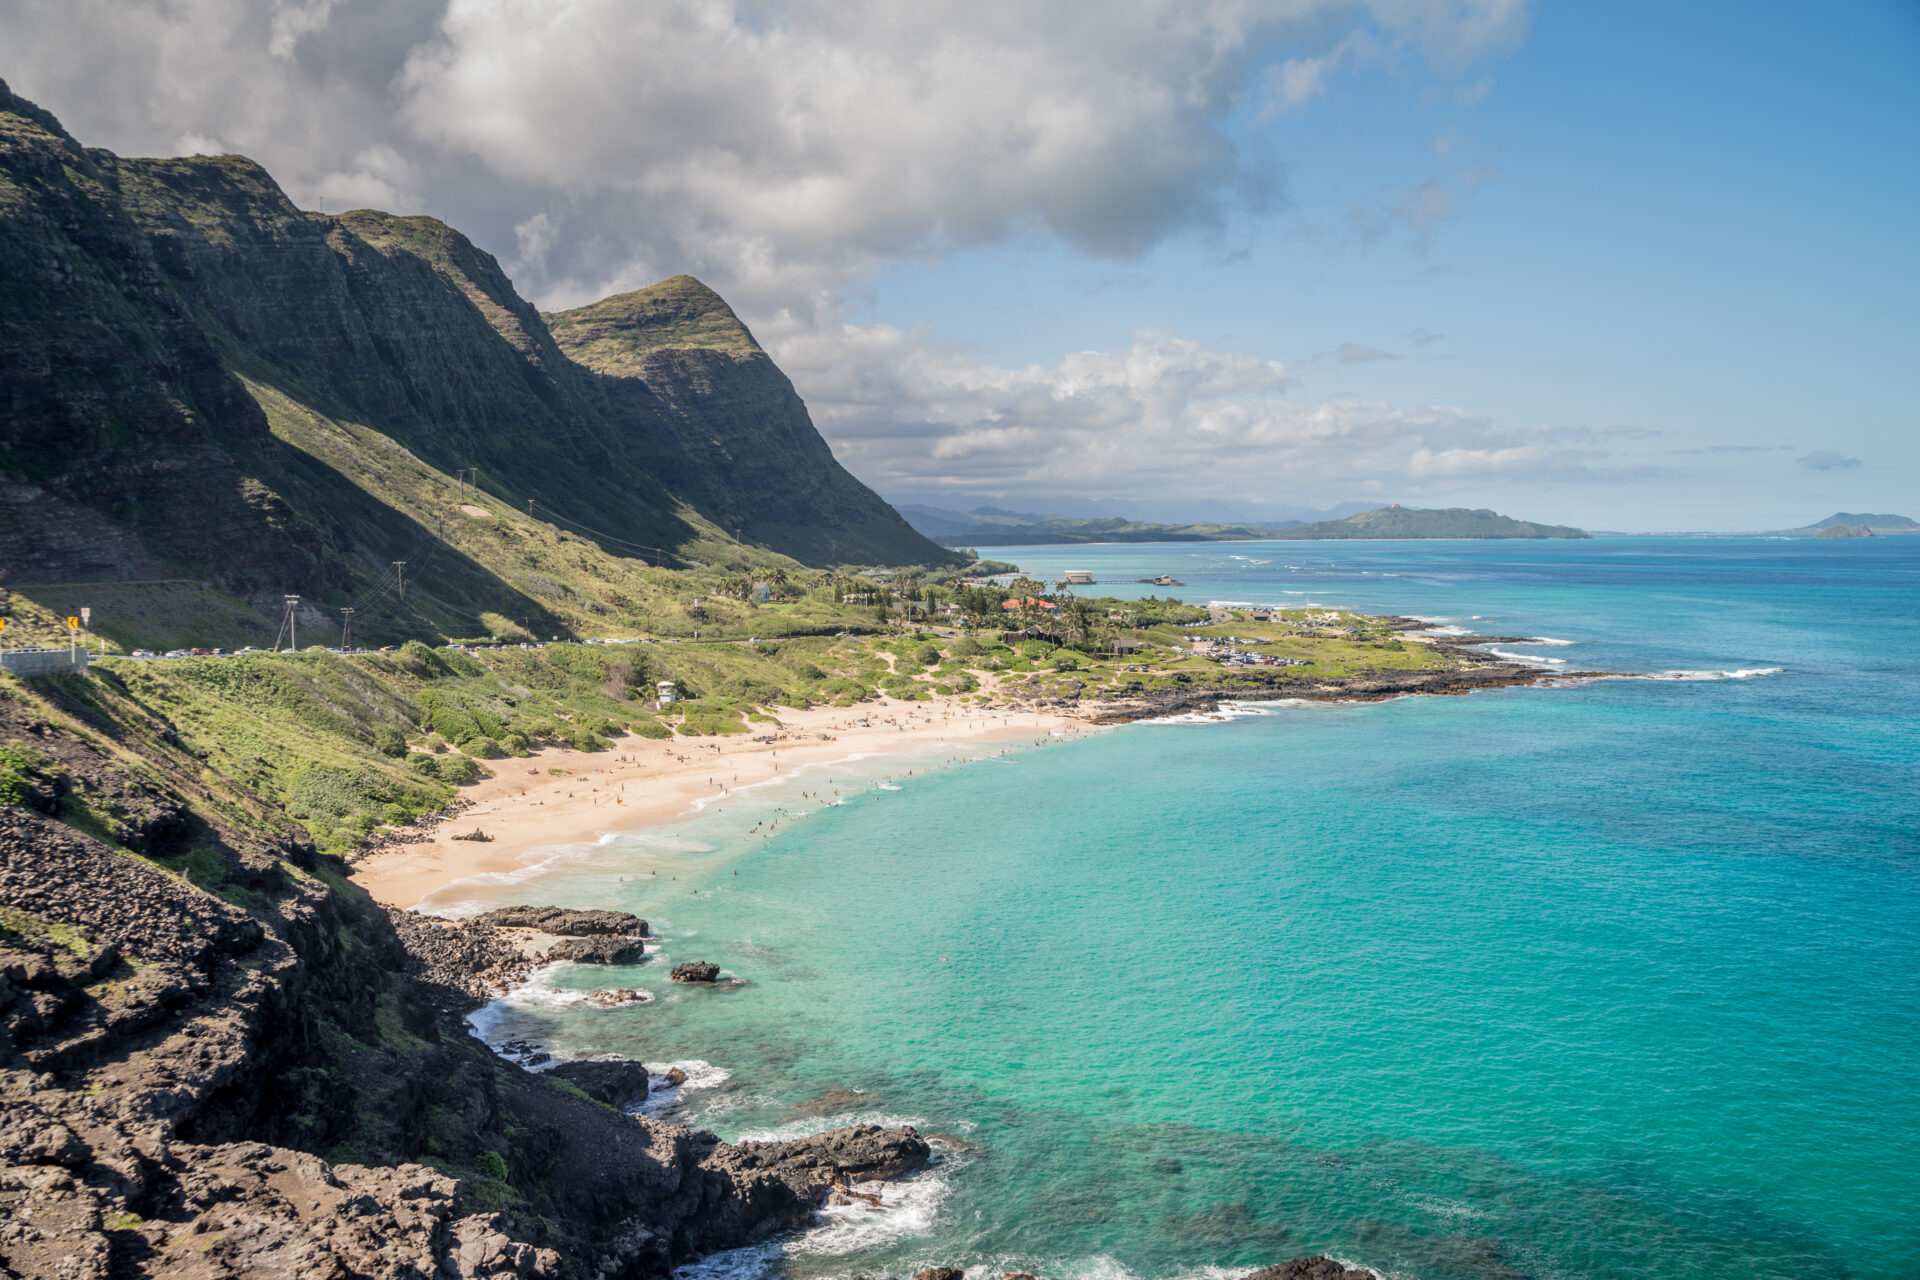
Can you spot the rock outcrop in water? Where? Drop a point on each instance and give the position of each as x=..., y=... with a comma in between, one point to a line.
x=186, y=1028
x=696, y=971
x=1319, y=1267
x=565, y=922
x=600, y=950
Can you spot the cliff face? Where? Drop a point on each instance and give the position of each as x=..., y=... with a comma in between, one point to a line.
x=698, y=403
x=168, y=328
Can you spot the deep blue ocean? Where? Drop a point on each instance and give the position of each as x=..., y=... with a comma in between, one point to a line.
x=1613, y=979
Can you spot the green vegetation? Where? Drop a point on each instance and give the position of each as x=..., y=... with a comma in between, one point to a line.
x=203, y=436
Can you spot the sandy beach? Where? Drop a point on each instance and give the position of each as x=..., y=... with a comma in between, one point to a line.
x=560, y=797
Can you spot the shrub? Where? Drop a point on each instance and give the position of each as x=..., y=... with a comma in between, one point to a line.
x=492, y=1164
x=1035, y=649
x=461, y=771
x=389, y=741
x=482, y=748
x=807, y=671
x=1068, y=660
x=329, y=795
x=516, y=745
x=927, y=655
x=424, y=764
x=652, y=729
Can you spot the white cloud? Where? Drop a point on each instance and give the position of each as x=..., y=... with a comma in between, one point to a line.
x=1826, y=460
x=784, y=150
x=1166, y=415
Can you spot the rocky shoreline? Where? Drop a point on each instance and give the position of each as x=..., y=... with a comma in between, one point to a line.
x=218, y=1058
x=1264, y=686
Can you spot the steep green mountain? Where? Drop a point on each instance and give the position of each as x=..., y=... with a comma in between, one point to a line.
x=1416, y=522
x=204, y=383
x=703, y=408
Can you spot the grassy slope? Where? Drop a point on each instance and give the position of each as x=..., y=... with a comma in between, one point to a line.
x=347, y=744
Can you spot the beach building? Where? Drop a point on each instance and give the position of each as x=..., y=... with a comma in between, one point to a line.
x=668, y=694
x=1077, y=578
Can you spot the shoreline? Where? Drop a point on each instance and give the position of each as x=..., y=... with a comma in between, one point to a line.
x=560, y=797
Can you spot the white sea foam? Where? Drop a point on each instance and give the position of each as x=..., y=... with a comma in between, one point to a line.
x=1744, y=673
x=701, y=1074
x=811, y=1125
x=1536, y=659
x=906, y=1209
x=1550, y=640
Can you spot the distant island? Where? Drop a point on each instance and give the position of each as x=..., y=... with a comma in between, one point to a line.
x=1841, y=524
x=996, y=527
x=1857, y=524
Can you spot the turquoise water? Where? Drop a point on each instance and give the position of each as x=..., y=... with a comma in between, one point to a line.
x=1620, y=979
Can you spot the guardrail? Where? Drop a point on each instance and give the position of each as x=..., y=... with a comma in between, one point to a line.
x=44, y=662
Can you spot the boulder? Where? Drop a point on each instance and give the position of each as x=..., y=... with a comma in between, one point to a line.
x=618, y=1083
x=940, y=1273
x=1318, y=1267
x=696, y=971
x=816, y=1165
x=567, y=922
x=599, y=950
x=614, y=997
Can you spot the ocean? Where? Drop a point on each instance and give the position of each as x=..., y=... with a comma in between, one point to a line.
x=1619, y=978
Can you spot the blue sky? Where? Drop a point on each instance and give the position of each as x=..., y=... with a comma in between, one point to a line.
x=1694, y=221
x=1622, y=265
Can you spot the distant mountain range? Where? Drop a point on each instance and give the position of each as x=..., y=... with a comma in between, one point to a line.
x=998, y=527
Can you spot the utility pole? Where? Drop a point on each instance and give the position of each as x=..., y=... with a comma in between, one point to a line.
x=529, y=508
x=400, y=573
x=346, y=630
x=287, y=625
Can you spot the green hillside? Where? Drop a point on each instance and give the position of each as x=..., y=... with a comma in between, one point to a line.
x=1416, y=522
x=699, y=405
x=205, y=383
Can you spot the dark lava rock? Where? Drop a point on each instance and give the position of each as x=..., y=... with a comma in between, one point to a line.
x=568, y=922
x=940, y=1273
x=675, y=1077
x=618, y=1083
x=474, y=961
x=602, y=950
x=1319, y=1267
x=861, y=1154
x=696, y=971
x=614, y=997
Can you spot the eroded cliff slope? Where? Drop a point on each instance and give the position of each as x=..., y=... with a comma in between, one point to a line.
x=198, y=379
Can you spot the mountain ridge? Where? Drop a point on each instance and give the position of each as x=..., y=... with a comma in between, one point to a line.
x=206, y=382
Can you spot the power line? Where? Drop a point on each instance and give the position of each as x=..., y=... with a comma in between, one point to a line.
x=557, y=518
